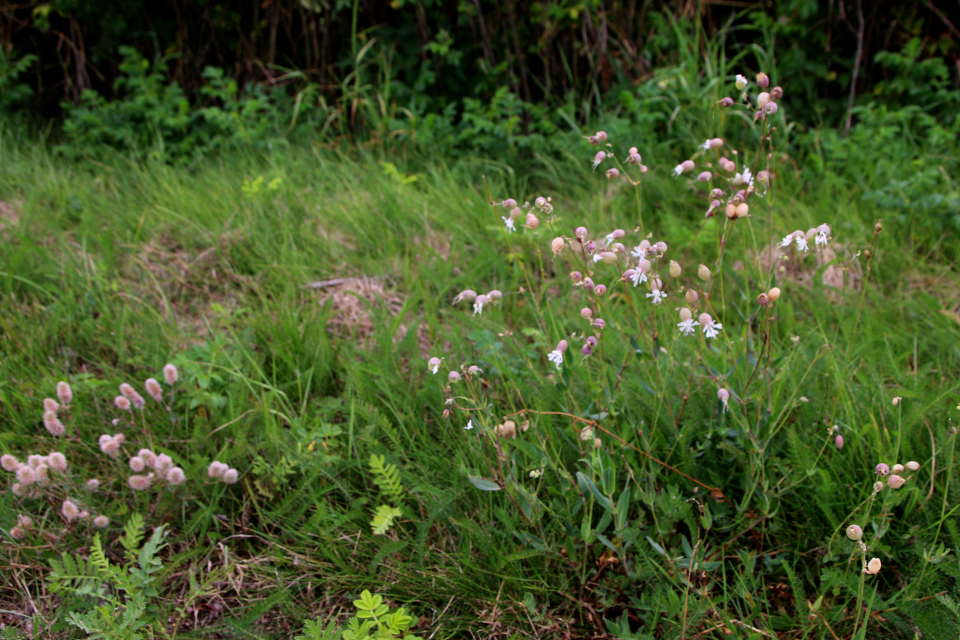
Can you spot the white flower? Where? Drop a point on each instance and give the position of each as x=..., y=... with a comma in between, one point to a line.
x=556, y=357
x=802, y=243
x=677, y=170
x=787, y=240
x=469, y=425
x=596, y=257
x=657, y=296
x=639, y=252
x=741, y=82
x=821, y=236
x=711, y=330
x=477, y=308
x=706, y=145
x=535, y=473
x=687, y=327
x=511, y=227
x=638, y=277
x=743, y=178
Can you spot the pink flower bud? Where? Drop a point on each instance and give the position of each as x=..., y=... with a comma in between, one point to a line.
x=588, y=284
x=590, y=247
x=600, y=289
x=727, y=102
x=687, y=165
x=453, y=376
x=854, y=532
x=723, y=395
x=838, y=441
x=170, y=374
x=873, y=567
x=774, y=294
x=704, y=176
x=576, y=276
x=685, y=314
x=467, y=294
x=674, y=269
x=913, y=466
x=599, y=323
x=509, y=203
x=580, y=232
x=557, y=245
x=608, y=257
x=895, y=481
x=532, y=222
x=64, y=393
x=562, y=346
x=703, y=272
x=776, y=93
x=691, y=296
x=586, y=313
x=763, y=99
x=153, y=388
x=771, y=108
x=763, y=81
x=882, y=469
x=602, y=136
x=613, y=173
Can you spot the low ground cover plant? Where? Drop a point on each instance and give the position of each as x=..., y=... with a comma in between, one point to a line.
x=670, y=402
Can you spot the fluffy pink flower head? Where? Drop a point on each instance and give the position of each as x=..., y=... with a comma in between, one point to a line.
x=216, y=469
x=49, y=404
x=121, y=403
x=176, y=476
x=149, y=457
x=140, y=483
x=53, y=424
x=137, y=464
x=57, y=461
x=101, y=522
x=24, y=521
x=64, y=393
x=170, y=374
x=230, y=476
x=9, y=462
x=93, y=484
x=154, y=389
x=70, y=511
x=163, y=463
x=17, y=533
x=109, y=445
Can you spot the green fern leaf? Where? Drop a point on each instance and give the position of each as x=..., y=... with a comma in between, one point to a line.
x=384, y=517
x=387, y=477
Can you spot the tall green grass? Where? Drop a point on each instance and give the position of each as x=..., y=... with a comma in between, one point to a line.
x=116, y=268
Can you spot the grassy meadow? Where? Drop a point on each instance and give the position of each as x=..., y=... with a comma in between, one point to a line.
x=301, y=293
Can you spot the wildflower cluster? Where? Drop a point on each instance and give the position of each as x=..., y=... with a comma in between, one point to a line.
x=222, y=472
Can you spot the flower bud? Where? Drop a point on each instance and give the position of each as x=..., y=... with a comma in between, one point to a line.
x=763, y=99
x=453, y=376
x=838, y=441
x=509, y=203
x=878, y=486
x=467, y=294
x=882, y=469
x=727, y=102
x=771, y=108
x=691, y=296
x=597, y=443
x=599, y=323
x=532, y=222
x=562, y=346
x=600, y=289
x=661, y=247
x=716, y=143
x=913, y=466
x=873, y=567
x=877, y=228
x=741, y=82
x=687, y=165
x=674, y=269
x=776, y=93
x=854, y=532
x=731, y=211
x=576, y=276
x=763, y=177
x=64, y=393
x=609, y=257
x=588, y=284
x=723, y=395
x=433, y=364
x=704, y=176
x=774, y=294
x=586, y=313
x=895, y=481
x=474, y=370
x=897, y=468
x=602, y=136
x=763, y=81
x=590, y=247
x=742, y=209
x=644, y=266
x=580, y=232
x=685, y=314
x=506, y=430
x=763, y=299
x=600, y=157
x=703, y=272
x=613, y=173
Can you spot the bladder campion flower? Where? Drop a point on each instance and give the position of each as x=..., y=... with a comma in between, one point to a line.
x=711, y=327
x=433, y=365
x=453, y=376
x=897, y=468
x=882, y=469
x=556, y=356
x=656, y=291
x=838, y=441
x=467, y=294
x=686, y=325
x=683, y=167
x=895, y=481
x=741, y=82
x=703, y=272
x=873, y=567
x=854, y=532
x=724, y=397
x=597, y=159
x=478, y=304
x=913, y=466
x=557, y=245
x=613, y=173
x=774, y=294
x=509, y=224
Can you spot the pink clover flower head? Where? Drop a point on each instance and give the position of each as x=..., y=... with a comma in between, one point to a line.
x=453, y=376
x=467, y=294
x=176, y=476
x=882, y=469
x=137, y=464
x=557, y=245
x=25, y=521
x=163, y=463
x=711, y=328
x=57, y=461
x=52, y=423
x=149, y=457
x=216, y=469
x=170, y=374
x=70, y=511
x=140, y=483
x=230, y=476
x=895, y=481
x=17, y=533
x=49, y=404
x=121, y=403
x=27, y=475
x=110, y=446
x=101, y=522
x=64, y=393
x=9, y=462
x=93, y=484
x=479, y=304
x=433, y=365
x=154, y=389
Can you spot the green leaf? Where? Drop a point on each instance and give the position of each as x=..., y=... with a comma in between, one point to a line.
x=483, y=484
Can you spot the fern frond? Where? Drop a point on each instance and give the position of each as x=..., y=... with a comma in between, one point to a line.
x=132, y=534
x=387, y=477
x=383, y=518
